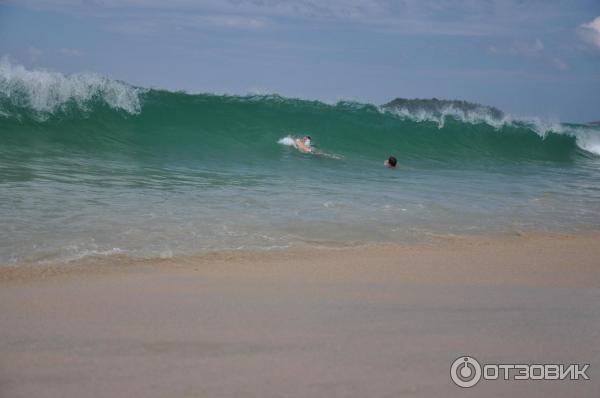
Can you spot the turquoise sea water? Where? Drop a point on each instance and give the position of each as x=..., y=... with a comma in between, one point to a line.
x=92, y=166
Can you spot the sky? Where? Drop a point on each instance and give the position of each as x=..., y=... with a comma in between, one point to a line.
x=526, y=57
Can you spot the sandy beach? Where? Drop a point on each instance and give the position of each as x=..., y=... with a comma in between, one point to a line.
x=299, y=199
x=372, y=321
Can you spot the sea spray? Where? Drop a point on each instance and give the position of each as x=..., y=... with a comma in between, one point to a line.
x=43, y=93
x=288, y=141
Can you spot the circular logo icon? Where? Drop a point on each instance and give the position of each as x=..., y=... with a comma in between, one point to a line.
x=465, y=371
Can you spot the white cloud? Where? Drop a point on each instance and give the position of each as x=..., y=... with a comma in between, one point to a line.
x=136, y=27
x=230, y=21
x=558, y=63
x=532, y=50
x=70, y=51
x=34, y=53
x=429, y=17
x=156, y=25
x=287, y=8
x=590, y=32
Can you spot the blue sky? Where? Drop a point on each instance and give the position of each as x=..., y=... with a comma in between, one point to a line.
x=529, y=58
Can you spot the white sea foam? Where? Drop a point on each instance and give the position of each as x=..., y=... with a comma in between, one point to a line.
x=588, y=141
x=288, y=141
x=45, y=92
x=587, y=138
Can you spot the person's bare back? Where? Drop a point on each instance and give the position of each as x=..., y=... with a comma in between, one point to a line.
x=304, y=144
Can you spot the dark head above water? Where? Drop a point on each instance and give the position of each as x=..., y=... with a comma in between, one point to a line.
x=390, y=162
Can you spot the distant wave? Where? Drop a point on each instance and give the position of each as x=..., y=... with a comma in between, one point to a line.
x=438, y=111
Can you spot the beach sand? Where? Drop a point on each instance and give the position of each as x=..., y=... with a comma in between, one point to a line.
x=370, y=321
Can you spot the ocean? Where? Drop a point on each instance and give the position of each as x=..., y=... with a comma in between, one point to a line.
x=91, y=166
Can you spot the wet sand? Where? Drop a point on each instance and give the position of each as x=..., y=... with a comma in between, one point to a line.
x=373, y=321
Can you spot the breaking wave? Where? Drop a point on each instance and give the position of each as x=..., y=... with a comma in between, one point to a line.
x=87, y=109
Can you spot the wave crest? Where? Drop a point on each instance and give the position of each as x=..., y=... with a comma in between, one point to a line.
x=45, y=92
x=439, y=111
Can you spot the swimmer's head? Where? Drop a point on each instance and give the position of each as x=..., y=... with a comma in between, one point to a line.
x=391, y=162
x=307, y=140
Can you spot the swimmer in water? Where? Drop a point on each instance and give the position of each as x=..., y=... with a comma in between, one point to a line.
x=390, y=162
x=304, y=144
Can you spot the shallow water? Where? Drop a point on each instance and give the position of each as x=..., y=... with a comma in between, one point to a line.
x=90, y=166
